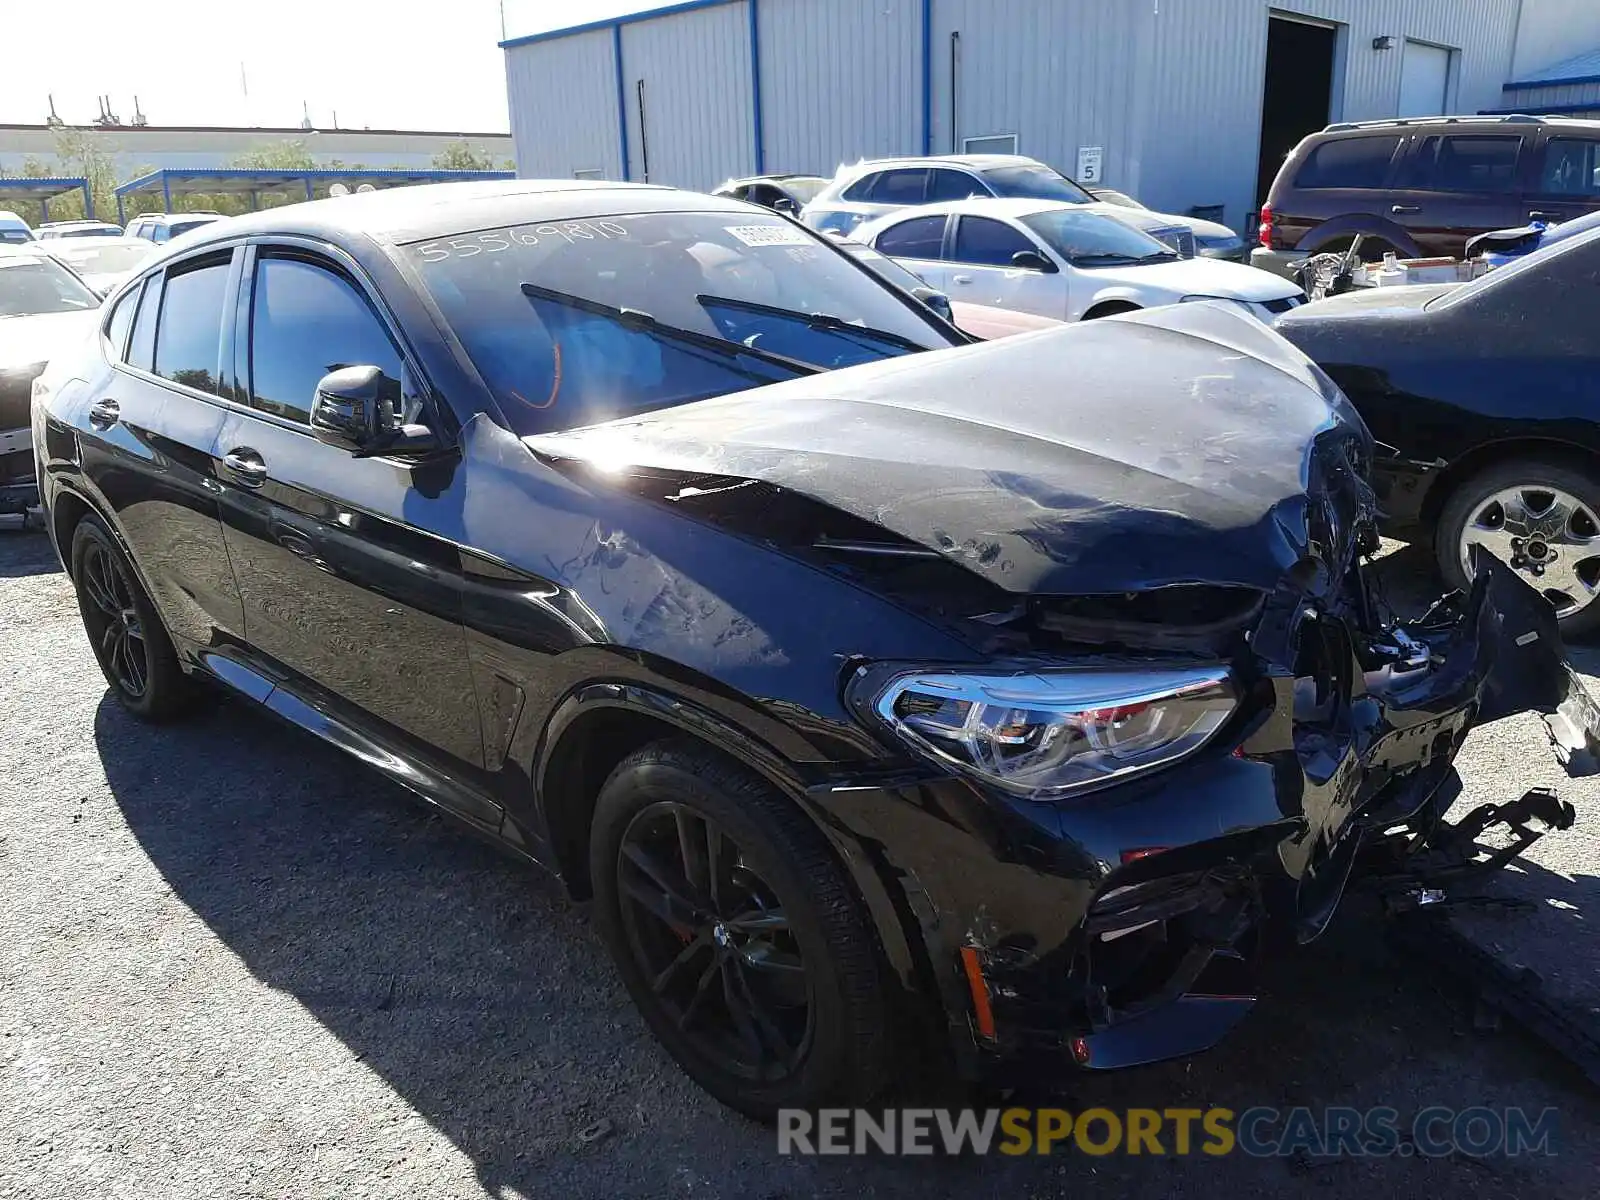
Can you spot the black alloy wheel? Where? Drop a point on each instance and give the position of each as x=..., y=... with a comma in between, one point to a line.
x=715, y=942
x=112, y=621
x=738, y=933
x=125, y=632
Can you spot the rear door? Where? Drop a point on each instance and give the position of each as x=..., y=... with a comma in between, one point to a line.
x=918, y=244
x=346, y=580
x=980, y=270
x=1566, y=178
x=149, y=439
x=1454, y=186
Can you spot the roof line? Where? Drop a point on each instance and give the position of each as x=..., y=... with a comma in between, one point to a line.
x=295, y=130
x=1593, y=106
x=648, y=14
x=1525, y=85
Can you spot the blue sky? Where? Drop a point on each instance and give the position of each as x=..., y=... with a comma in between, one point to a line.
x=417, y=65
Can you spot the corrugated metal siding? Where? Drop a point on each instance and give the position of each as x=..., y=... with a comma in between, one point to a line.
x=1057, y=73
x=1531, y=100
x=1553, y=30
x=840, y=80
x=563, y=100
x=1203, y=111
x=696, y=68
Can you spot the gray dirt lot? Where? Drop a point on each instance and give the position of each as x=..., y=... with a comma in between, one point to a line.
x=232, y=963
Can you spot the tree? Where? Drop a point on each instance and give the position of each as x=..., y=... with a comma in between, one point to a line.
x=463, y=156
x=289, y=155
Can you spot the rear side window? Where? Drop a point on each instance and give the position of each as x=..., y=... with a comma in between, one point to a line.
x=921, y=237
x=1358, y=162
x=189, y=334
x=122, y=321
x=900, y=187
x=988, y=243
x=861, y=189
x=1571, y=167
x=1462, y=163
x=305, y=321
x=945, y=185
x=142, y=347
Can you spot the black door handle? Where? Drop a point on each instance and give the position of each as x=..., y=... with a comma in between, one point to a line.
x=247, y=465
x=1405, y=208
x=104, y=413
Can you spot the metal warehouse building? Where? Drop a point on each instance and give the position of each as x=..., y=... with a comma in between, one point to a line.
x=1188, y=104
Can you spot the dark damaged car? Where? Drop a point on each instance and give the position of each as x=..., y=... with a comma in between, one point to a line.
x=999, y=698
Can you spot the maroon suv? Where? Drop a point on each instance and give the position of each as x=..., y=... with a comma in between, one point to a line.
x=1426, y=185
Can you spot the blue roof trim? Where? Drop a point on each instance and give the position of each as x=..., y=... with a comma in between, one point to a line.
x=1525, y=85
x=622, y=99
x=649, y=14
x=19, y=184
x=167, y=175
x=1542, y=110
x=927, y=77
x=1580, y=68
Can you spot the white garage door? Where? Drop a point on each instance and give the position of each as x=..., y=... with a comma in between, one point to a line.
x=1424, y=80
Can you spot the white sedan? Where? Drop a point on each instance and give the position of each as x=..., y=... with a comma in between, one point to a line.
x=1058, y=260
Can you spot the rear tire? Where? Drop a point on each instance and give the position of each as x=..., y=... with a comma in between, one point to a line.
x=1480, y=507
x=756, y=915
x=125, y=632
x=1372, y=248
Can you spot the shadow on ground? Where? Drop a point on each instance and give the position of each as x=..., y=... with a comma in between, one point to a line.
x=26, y=551
x=487, y=1005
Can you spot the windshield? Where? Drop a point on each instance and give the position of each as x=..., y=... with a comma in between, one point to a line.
x=803, y=189
x=1035, y=181
x=174, y=228
x=33, y=285
x=1087, y=239
x=580, y=321
x=883, y=266
x=15, y=237
x=89, y=231
x=104, y=260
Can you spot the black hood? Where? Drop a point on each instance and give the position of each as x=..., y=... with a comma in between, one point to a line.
x=1185, y=445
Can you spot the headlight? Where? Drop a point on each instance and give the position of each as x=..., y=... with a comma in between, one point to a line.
x=1047, y=734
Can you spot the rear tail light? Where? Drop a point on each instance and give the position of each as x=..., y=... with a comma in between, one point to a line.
x=1264, y=232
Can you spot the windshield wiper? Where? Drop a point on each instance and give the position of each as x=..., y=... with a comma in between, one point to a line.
x=826, y=322
x=632, y=318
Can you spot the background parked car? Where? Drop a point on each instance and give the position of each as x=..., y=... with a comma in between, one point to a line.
x=1424, y=186
x=163, y=227
x=43, y=308
x=782, y=193
x=1490, y=393
x=1212, y=239
x=13, y=229
x=1066, y=261
x=983, y=321
x=878, y=187
x=102, y=262
x=76, y=229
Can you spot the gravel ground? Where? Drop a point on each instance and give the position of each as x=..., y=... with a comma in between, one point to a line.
x=232, y=963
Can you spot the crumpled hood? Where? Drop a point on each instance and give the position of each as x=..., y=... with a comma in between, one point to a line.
x=1177, y=445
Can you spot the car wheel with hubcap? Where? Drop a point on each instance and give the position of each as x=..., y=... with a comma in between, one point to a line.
x=1543, y=520
x=737, y=934
x=127, y=637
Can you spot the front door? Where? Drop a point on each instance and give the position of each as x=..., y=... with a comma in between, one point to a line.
x=981, y=271
x=1455, y=186
x=346, y=580
x=156, y=415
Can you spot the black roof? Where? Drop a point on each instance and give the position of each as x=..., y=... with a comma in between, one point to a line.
x=408, y=214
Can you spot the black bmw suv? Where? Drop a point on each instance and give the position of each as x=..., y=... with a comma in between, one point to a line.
x=883, y=691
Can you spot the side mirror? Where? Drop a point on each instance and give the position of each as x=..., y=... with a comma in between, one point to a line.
x=354, y=409
x=786, y=205
x=1032, y=260
x=936, y=300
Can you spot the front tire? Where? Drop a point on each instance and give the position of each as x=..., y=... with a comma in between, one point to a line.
x=1541, y=518
x=125, y=632
x=737, y=934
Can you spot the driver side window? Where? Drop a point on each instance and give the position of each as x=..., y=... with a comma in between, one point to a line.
x=307, y=320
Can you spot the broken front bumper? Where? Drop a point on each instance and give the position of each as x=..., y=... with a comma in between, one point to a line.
x=1116, y=929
